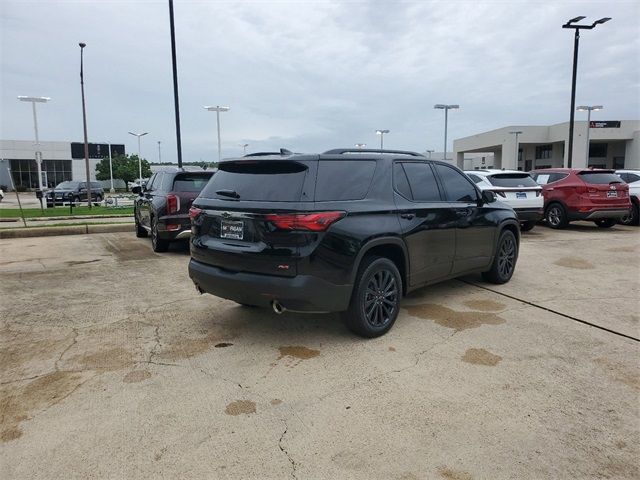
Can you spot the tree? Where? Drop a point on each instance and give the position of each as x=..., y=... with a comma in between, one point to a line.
x=125, y=167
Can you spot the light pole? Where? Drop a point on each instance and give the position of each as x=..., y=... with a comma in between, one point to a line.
x=112, y=190
x=588, y=109
x=576, y=41
x=38, y=154
x=446, y=109
x=159, y=153
x=244, y=148
x=381, y=133
x=516, y=134
x=430, y=152
x=218, y=109
x=139, y=157
x=176, y=100
x=361, y=145
x=84, y=124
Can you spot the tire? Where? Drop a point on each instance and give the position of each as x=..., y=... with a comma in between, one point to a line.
x=375, y=301
x=527, y=226
x=504, y=262
x=141, y=232
x=633, y=217
x=556, y=216
x=76, y=201
x=158, y=244
x=98, y=200
x=606, y=222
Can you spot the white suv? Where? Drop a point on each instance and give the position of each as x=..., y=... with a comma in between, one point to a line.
x=631, y=178
x=517, y=189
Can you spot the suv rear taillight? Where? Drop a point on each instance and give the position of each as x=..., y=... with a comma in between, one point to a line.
x=194, y=212
x=313, y=222
x=173, y=203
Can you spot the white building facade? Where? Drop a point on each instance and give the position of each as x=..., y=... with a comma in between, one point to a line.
x=612, y=144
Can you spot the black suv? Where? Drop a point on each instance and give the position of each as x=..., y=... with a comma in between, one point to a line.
x=345, y=231
x=162, y=207
x=76, y=192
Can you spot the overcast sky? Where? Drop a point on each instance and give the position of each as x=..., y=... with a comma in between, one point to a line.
x=309, y=76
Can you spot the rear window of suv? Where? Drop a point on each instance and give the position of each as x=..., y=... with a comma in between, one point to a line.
x=512, y=180
x=190, y=182
x=262, y=180
x=599, y=178
x=344, y=179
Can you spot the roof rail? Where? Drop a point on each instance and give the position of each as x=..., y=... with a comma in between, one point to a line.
x=283, y=152
x=340, y=151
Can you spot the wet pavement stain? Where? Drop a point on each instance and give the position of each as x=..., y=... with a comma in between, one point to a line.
x=128, y=249
x=573, y=262
x=620, y=373
x=624, y=248
x=187, y=347
x=452, y=318
x=81, y=262
x=18, y=404
x=451, y=474
x=480, y=356
x=240, y=406
x=392, y=349
x=485, y=305
x=136, y=376
x=223, y=345
x=275, y=401
x=297, y=352
x=104, y=360
x=20, y=351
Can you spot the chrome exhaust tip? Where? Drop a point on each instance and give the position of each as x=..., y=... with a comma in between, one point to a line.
x=277, y=307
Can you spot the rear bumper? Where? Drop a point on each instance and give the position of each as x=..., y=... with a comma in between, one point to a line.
x=302, y=293
x=529, y=214
x=174, y=227
x=598, y=214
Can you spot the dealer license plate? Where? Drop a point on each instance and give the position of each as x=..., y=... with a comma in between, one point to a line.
x=521, y=194
x=612, y=194
x=232, y=229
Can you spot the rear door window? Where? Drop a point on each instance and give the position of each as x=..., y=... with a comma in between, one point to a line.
x=190, y=182
x=257, y=180
x=512, y=180
x=344, y=179
x=599, y=178
x=458, y=188
x=422, y=182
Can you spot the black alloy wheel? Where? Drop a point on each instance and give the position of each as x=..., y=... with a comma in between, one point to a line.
x=375, y=302
x=632, y=217
x=98, y=200
x=141, y=232
x=504, y=263
x=158, y=244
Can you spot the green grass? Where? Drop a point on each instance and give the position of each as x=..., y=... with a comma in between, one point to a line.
x=64, y=212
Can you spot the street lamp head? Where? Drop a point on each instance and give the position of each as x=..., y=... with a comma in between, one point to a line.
x=516, y=132
x=586, y=108
x=23, y=98
x=440, y=106
x=576, y=19
x=602, y=20
x=360, y=145
x=217, y=108
x=381, y=132
x=82, y=44
x=138, y=134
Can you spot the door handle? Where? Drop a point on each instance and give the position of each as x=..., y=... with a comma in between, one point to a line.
x=408, y=216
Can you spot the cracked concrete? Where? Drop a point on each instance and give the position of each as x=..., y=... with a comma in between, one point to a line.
x=110, y=369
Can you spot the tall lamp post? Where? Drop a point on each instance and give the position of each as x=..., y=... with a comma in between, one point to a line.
x=159, y=152
x=516, y=157
x=244, y=148
x=84, y=124
x=139, y=157
x=218, y=109
x=576, y=40
x=38, y=154
x=446, y=109
x=430, y=152
x=381, y=133
x=112, y=190
x=588, y=109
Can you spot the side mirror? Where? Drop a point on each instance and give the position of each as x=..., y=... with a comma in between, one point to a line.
x=488, y=196
x=137, y=190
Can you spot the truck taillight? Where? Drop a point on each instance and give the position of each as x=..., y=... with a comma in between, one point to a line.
x=173, y=203
x=313, y=222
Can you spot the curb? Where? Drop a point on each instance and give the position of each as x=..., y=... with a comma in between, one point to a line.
x=70, y=230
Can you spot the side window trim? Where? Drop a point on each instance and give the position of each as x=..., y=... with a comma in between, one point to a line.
x=435, y=176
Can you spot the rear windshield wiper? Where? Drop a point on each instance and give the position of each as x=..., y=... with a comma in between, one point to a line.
x=228, y=193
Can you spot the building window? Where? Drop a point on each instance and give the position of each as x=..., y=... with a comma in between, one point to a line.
x=520, y=154
x=544, y=151
x=25, y=172
x=598, y=150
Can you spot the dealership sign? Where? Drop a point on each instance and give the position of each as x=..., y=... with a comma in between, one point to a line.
x=96, y=150
x=607, y=124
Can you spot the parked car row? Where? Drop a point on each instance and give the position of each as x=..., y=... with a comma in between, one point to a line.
x=74, y=192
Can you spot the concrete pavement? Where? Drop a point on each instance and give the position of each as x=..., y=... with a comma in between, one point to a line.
x=114, y=367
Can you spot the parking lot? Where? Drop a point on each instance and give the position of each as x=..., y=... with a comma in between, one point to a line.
x=114, y=367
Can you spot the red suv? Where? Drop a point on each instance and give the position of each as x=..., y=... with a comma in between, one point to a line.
x=582, y=194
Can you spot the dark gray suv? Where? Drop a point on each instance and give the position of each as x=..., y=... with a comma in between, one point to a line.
x=73, y=191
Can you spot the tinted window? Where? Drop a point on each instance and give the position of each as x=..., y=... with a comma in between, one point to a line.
x=457, y=186
x=190, y=182
x=67, y=185
x=95, y=185
x=272, y=181
x=400, y=181
x=599, y=178
x=544, y=178
x=344, y=179
x=512, y=180
x=422, y=182
x=150, y=184
x=475, y=178
x=632, y=177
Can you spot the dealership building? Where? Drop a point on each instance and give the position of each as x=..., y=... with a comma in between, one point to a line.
x=612, y=144
x=61, y=161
